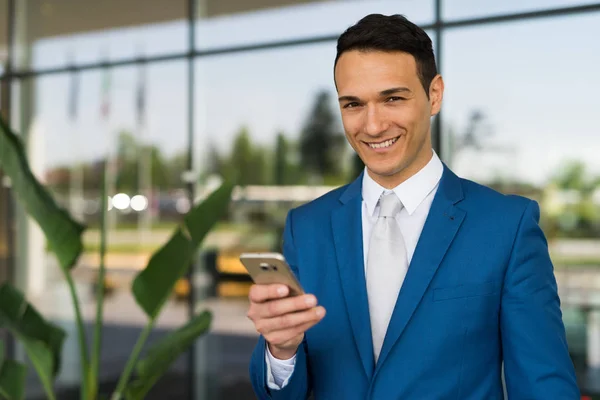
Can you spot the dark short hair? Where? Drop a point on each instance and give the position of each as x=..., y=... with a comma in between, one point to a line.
x=377, y=32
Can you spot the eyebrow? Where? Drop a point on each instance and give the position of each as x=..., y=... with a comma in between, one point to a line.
x=383, y=93
x=387, y=92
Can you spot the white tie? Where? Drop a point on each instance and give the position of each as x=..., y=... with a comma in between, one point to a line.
x=387, y=264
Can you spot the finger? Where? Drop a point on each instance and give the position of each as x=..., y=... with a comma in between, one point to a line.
x=283, y=337
x=288, y=305
x=262, y=293
x=290, y=320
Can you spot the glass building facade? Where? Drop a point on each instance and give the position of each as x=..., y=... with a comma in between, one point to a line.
x=183, y=93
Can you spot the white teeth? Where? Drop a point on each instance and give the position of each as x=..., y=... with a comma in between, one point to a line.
x=387, y=143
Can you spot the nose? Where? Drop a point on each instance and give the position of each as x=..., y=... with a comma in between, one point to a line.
x=375, y=123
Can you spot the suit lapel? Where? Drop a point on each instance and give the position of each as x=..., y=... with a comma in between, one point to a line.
x=348, y=240
x=440, y=227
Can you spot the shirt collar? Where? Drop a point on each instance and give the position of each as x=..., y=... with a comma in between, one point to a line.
x=411, y=192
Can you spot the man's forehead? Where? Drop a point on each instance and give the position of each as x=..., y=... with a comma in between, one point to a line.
x=376, y=57
x=370, y=66
x=375, y=79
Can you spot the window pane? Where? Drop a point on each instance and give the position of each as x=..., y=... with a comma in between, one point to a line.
x=92, y=31
x=521, y=116
x=147, y=142
x=224, y=27
x=252, y=123
x=457, y=9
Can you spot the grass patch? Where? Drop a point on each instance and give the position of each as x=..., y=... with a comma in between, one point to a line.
x=171, y=226
x=125, y=248
x=576, y=262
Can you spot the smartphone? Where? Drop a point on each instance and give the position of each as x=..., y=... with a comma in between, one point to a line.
x=269, y=268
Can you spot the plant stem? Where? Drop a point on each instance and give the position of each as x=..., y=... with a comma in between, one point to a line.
x=49, y=392
x=83, y=351
x=117, y=395
x=97, y=345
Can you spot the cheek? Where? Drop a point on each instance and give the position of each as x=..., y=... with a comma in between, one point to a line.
x=416, y=123
x=351, y=127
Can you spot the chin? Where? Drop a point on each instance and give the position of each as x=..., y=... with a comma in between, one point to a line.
x=383, y=170
x=385, y=167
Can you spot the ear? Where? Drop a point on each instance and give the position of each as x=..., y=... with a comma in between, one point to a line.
x=436, y=94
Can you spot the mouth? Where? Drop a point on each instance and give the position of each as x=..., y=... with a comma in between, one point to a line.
x=379, y=146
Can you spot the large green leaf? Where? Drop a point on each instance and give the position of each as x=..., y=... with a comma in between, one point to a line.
x=27, y=324
x=42, y=359
x=201, y=219
x=163, y=354
x=12, y=378
x=154, y=284
x=62, y=232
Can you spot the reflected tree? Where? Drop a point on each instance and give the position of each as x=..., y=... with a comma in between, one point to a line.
x=321, y=140
x=247, y=163
x=282, y=164
x=357, y=166
x=580, y=215
x=129, y=152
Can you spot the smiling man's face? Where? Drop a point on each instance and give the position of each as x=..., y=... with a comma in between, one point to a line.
x=386, y=112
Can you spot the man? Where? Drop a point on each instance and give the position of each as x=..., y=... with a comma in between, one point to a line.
x=428, y=285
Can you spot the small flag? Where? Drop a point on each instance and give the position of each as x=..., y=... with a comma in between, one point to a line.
x=141, y=94
x=105, y=99
x=73, y=93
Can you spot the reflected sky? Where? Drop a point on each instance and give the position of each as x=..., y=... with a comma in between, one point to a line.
x=459, y=9
x=534, y=80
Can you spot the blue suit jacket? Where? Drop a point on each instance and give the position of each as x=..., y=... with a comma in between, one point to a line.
x=480, y=291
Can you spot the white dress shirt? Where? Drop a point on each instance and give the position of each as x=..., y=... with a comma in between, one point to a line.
x=416, y=194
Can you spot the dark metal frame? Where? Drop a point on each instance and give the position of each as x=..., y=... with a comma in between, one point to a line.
x=8, y=264
x=439, y=26
x=191, y=86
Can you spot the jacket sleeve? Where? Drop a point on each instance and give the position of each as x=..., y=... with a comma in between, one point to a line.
x=298, y=386
x=537, y=364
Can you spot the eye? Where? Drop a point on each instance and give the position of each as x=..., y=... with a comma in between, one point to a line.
x=395, y=98
x=351, y=105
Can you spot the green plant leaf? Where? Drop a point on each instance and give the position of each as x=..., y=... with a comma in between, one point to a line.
x=28, y=325
x=42, y=359
x=201, y=219
x=12, y=377
x=154, y=284
x=12, y=380
x=162, y=355
x=62, y=232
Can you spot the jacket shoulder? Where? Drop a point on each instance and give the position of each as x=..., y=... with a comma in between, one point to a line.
x=495, y=201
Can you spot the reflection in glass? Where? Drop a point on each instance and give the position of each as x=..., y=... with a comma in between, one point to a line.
x=520, y=116
x=228, y=23
x=131, y=121
x=280, y=101
x=456, y=9
x=271, y=118
x=88, y=31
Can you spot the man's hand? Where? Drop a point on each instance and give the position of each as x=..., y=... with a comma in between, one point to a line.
x=282, y=320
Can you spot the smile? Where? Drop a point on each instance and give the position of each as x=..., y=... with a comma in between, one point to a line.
x=383, y=145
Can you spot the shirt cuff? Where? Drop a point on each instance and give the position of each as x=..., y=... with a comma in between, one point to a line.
x=279, y=372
